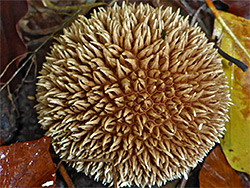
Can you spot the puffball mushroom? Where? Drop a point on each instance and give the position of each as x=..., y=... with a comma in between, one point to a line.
x=137, y=85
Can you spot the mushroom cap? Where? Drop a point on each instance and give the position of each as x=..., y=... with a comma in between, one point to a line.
x=136, y=85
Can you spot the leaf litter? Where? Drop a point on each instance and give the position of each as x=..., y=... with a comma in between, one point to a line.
x=36, y=28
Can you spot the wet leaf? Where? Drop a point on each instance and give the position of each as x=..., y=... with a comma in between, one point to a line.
x=27, y=164
x=12, y=44
x=236, y=142
x=216, y=172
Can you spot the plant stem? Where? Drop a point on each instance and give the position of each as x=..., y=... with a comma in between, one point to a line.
x=224, y=25
x=37, y=49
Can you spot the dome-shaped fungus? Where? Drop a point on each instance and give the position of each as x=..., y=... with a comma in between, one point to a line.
x=137, y=85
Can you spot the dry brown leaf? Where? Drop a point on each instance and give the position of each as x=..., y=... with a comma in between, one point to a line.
x=12, y=44
x=239, y=7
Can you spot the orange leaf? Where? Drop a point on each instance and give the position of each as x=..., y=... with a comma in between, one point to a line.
x=216, y=172
x=27, y=164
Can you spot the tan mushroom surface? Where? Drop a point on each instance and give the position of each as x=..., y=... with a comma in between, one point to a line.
x=137, y=85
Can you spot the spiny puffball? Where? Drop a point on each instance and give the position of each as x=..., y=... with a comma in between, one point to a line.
x=135, y=85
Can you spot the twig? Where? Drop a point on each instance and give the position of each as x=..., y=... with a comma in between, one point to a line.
x=228, y=30
x=12, y=61
x=187, y=7
x=35, y=71
x=92, y=160
x=191, y=12
x=27, y=72
x=66, y=177
x=36, y=50
x=184, y=180
x=237, y=62
x=10, y=97
x=195, y=17
x=36, y=42
x=36, y=32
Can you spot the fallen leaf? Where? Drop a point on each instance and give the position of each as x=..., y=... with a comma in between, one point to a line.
x=12, y=44
x=216, y=172
x=27, y=164
x=239, y=8
x=236, y=142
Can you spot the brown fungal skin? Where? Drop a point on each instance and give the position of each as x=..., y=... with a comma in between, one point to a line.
x=114, y=88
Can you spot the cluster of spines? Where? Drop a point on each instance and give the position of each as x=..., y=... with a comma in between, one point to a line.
x=112, y=88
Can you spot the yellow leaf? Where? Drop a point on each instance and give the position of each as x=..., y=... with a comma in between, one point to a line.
x=236, y=142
